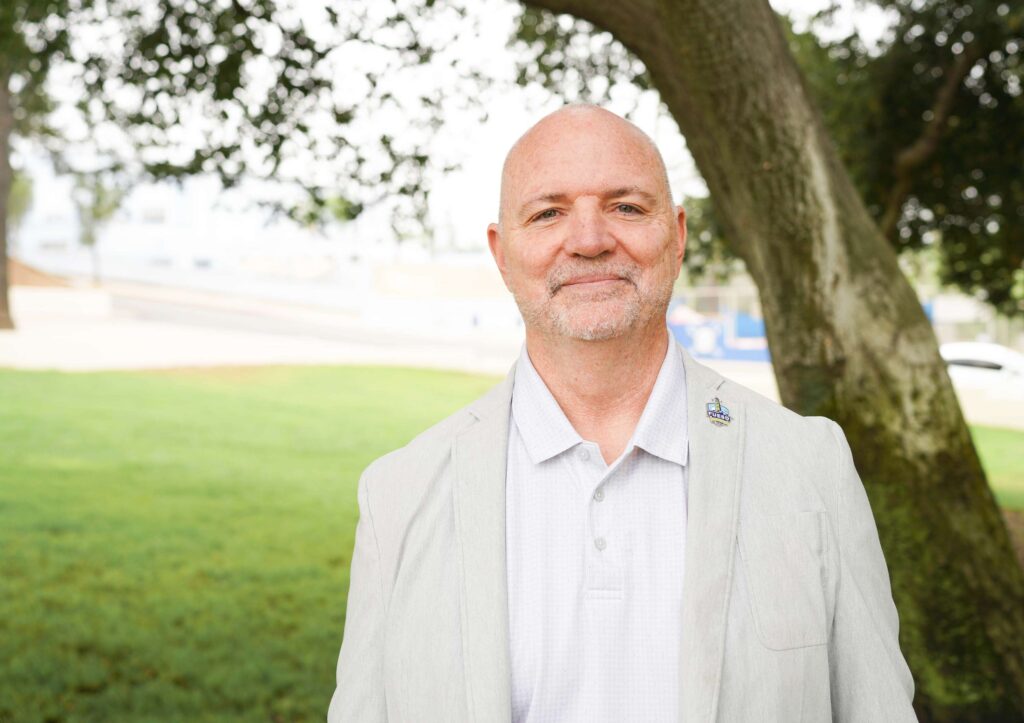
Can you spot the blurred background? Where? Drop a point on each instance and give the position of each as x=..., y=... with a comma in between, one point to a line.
x=245, y=255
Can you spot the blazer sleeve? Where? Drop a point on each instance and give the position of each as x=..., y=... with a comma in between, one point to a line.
x=870, y=680
x=359, y=696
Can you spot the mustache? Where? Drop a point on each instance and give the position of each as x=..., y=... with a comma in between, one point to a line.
x=571, y=270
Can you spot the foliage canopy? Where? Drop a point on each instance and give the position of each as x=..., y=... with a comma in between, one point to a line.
x=928, y=122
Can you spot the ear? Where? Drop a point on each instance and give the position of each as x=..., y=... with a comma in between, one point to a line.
x=494, y=243
x=680, y=236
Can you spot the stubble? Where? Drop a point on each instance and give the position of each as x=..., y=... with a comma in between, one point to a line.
x=601, y=314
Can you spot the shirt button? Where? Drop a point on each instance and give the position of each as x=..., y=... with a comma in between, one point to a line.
x=583, y=454
x=599, y=495
x=600, y=544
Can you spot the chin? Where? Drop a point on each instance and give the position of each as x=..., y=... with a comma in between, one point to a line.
x=593, y=327
x=596, y=333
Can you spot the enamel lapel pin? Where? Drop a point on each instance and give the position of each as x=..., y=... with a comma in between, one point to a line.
x=718, y=413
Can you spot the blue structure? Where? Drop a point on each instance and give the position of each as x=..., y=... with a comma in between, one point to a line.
x=732, y=335
x=728, y=334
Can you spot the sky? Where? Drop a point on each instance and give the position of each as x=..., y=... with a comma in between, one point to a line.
x=463, y=202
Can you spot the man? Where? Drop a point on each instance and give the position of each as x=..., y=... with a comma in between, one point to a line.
x=615, y=532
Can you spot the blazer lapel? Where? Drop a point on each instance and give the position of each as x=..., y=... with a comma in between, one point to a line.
x=715, y=460
x=479, y=454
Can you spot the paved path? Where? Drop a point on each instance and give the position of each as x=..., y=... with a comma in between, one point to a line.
x=125, y=326
x=136, y=326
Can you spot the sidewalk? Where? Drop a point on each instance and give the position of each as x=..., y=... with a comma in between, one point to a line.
x=131, y=326
x=122, y=326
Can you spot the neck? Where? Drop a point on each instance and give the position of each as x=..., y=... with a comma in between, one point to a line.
x=601, y=386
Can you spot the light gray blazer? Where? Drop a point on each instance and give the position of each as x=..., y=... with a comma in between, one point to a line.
x=787, y=609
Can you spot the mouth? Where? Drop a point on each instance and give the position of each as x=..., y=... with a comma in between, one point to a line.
x=594, y=281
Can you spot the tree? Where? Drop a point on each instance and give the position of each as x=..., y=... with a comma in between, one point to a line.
x=96, y=201
x=25, y=61
x=847, y=335
x=929, y=126
x=155, y=70
x=20, y=201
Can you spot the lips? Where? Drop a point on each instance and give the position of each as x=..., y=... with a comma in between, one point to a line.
x=583, y=278
x=598, y=279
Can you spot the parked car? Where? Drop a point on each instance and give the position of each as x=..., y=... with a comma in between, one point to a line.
x=984, y=365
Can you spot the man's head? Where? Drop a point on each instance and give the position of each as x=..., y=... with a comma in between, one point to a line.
x=588, y=240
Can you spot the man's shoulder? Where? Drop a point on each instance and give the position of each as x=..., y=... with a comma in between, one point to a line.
x=791, y=453
x=770, y=423
x=432, y=447
x=769, y=409
x=428, y=444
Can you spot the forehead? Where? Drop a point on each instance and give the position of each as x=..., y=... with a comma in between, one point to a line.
x=581, y=154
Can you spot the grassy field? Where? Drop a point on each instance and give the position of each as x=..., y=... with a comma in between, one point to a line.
x=175, y=545
x=1002, y=454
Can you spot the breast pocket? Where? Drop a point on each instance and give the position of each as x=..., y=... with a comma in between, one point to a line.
x=783, y=561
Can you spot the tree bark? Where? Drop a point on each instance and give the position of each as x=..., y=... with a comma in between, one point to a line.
x=6, y=180
x=848, y=337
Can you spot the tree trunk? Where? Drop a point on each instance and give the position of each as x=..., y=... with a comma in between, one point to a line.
x=848, y=337
x=6, y=180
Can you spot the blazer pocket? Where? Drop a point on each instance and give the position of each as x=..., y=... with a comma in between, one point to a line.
x=783, y=561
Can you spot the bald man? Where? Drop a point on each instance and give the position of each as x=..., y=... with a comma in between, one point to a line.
x=615, y=532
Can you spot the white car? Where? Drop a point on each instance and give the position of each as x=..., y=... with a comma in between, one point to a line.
x=977, y=365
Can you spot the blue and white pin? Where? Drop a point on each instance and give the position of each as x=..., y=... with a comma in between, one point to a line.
x=718, y=413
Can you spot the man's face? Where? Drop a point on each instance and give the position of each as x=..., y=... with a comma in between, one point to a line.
x=589, y=242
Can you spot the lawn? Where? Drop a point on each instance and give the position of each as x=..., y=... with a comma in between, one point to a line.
x=1002, y=454
x=175, y=545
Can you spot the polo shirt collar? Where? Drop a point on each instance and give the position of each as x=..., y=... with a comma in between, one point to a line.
x=661, y=430
x=542, y=425
x=546, y=431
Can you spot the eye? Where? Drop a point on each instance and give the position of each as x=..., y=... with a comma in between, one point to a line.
x=627, y=208
x=546, y=214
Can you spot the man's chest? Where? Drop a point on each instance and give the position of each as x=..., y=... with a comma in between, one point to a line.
x=595, y=572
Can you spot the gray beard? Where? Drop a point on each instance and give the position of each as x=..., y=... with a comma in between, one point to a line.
x=645, y=302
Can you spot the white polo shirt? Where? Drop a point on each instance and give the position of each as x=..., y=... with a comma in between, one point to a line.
x=595, y=559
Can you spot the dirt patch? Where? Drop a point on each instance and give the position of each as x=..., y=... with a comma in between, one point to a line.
x=19, y=274
x=1015, y=523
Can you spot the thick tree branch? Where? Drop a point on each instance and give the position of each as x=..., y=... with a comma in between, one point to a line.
x=917, y=153
x=628, y=22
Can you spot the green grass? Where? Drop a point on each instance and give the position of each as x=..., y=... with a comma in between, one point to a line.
x=1002, y=454
x=174, y=546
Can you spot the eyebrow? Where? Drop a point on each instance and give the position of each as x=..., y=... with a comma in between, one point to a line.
x=605, y=195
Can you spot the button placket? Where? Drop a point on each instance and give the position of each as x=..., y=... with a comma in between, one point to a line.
x=603, y=575
x=599, y=515
x=604, y=563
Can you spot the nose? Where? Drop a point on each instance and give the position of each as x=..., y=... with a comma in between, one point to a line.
x=589, y=233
